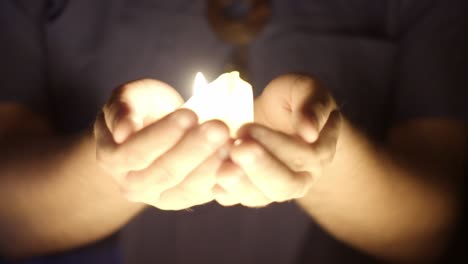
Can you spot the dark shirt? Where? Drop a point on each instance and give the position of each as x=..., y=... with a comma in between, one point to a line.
x=386, y=62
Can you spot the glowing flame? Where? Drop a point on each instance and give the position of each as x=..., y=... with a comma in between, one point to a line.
x=228, y=98
x=199, y=83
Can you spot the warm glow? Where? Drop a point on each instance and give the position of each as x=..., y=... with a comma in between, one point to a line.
x=228, y=98
x=199, y=83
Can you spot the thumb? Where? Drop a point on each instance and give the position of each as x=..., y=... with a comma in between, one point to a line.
x=125, y=127
x=306, y=129
x=295, y=104
x=311, y=105
x=138, y=103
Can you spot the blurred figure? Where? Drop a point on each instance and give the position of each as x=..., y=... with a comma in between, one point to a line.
x=369, y=138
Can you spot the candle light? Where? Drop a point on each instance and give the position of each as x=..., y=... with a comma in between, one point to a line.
x=228, y=98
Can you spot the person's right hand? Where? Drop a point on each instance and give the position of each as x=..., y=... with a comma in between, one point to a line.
x=158, y=156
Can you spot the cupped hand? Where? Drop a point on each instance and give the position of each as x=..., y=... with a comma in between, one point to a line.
x=158, y=155
x=277, y=158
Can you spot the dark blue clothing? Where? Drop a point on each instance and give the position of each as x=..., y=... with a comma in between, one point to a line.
x=386, y=62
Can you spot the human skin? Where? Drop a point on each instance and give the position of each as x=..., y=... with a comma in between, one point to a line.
x=61, y=192
x=307, y=152
x=302, y=148
x=398, y=200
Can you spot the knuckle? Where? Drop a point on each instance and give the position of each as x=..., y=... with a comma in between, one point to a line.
x=165, y=175
x=258, y=152
x=131, y=195
x=250, y=154
x=137, y=181
x=187, y=193
x=105, y=158
x=194, y=188
x=132, y=157
x=298, y=163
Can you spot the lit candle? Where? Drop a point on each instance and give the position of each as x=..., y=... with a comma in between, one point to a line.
x=228, y=98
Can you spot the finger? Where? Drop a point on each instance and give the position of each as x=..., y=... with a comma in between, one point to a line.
x=311, y=105
x=276, y=93
x=142, y=148
x=172, y=202
x=274, y=179
x=301, y=105
x=222, y=197
x=325, y=147
x=297, y=154
x=152, y=98
x=125, y=127
x=102, y=134
x=196, y=188
x=234, y=181
x=137, y=104
x=203, y=178
x=121, y=119
x=178, y=198
x=171, y=168
x=105, y=144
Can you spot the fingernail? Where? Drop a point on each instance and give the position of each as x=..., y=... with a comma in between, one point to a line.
x=123, y=130
x=308, y=131
x=213, y=134
x=223, y=153
x=237, y=142
x=257, y=132
x=183, y=120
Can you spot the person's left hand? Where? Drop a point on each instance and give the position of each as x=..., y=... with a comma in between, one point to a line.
x=156, y=154
x=277, y=158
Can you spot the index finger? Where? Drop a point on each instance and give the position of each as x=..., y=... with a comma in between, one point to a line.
x=275, y=180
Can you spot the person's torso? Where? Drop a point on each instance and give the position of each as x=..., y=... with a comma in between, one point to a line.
x=94, y=46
